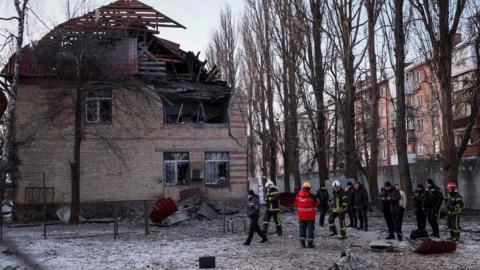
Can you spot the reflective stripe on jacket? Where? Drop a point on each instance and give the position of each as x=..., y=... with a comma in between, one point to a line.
x=340, y=201
x=454, y=203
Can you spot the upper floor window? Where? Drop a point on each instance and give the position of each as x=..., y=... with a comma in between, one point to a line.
x=217, y=168
x=420, y=124
x=98, y=105
x=419, y=101
x=177, y=168
x=178, y=112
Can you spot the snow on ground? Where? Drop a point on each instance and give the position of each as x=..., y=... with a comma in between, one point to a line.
x=92, y=246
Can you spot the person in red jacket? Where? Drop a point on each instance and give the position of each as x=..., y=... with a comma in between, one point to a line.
x=306, y=204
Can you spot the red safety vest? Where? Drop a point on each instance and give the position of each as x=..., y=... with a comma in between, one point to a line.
x=306, y=206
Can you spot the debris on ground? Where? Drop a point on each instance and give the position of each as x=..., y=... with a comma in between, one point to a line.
x=163, y=208
x=63, y=213
x=430, y=246
x=9, y=252
x=350, y=262
x=206, y=211
x=176, y=218
x=382, y=246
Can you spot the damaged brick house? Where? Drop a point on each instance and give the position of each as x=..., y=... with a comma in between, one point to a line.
x=160, y=124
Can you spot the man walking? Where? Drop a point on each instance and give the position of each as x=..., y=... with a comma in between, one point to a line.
x=351, y=210
x=454, y=204
x=306, y=204
x=323, y=198
x=402, y=205
x=390, y=198
x=433, y=202
x=253, y=212
x=361, y=205
x=339, y=207
x=272, y=208
x=420, y=209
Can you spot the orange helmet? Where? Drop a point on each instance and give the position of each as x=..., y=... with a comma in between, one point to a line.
x=452, y=185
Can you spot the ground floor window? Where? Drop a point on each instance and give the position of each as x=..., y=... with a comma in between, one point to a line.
x=177, y=168
x=217, y=168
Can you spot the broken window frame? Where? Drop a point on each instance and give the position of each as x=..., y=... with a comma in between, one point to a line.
x=215, y=162
x=193, y=112
x=97, y=98
x=178, y=160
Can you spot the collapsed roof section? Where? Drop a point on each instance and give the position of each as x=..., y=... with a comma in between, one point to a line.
x=119, y=39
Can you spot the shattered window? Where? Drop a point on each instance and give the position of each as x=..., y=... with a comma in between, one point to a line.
x=217, y=167
x=98, y=105
x=177, y=167
x=195, y=112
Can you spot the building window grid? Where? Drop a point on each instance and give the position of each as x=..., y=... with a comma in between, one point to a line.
x=98, y=107
x=217, y=168
x=176, y=166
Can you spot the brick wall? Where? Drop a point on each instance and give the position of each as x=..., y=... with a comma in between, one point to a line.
x=123, y=160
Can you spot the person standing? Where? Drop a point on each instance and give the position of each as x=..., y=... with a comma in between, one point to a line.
x=323, y=198
x=306, y=204
x=402, y=205
x=361, y=205
x=339, y=207
x=433, y=202
x=454, y=204
x=253, y=212
x=272, y=208
x=390, y=198
x=420, y=209
x=352, y=216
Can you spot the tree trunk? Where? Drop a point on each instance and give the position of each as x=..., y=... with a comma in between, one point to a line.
x=75, y=165
x=318, y=89
x=401, y=136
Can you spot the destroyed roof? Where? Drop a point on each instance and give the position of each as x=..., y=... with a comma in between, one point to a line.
x=177, y=89
x=120, y=15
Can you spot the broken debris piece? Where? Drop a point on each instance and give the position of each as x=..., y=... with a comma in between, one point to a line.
x=176, y=218
x=350, y=262
x=206, y=211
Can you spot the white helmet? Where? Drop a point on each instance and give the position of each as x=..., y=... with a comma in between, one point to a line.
x=336, y=183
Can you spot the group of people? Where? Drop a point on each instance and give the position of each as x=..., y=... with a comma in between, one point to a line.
x=354, y=201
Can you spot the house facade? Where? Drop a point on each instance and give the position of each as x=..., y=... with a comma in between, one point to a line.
x=161, y=124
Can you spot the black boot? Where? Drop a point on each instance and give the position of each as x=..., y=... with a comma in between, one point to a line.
x=452, y=236
x=399, y=237
x=333, y=230
x=264, y=239
x=279, y=230
x=265, y=228
x=246, y=243
x=390, y=236
x=310, y=244
x=302, y=243
x=360, y=227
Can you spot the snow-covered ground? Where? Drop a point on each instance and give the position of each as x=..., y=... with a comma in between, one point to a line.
x=92, y=246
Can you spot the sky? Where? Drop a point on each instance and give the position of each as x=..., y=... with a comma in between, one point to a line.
x=199, y=16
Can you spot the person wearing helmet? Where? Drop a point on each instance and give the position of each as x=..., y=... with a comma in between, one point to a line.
x=306, y=204
x=433, y=202
x=338, y=209
x=272, y=208
x=454, y=204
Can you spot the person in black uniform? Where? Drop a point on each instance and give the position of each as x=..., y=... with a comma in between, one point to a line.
x=323, y=197
x=420, y=209
x=454, y=204
x=433, y=202
x=272, y=208
x=390, y=198
x=361, y=205
x=253, y=212
x=352, y=216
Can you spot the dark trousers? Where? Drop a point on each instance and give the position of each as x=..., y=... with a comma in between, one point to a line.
x=362, y=218
x=254, y=228
x=307, y=230
x=421, y=217
x=453, y=222
x=323, y=212
x=391, y=218
x=276, y=218
x=401, y=212
x=432, y=220
x=341, y=220
x=352, y=216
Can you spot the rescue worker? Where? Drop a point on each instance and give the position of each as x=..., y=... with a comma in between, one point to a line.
x=352, y=216
x=433, y=202
x=402, y=205
x=361, y=205
x=253, y=212
x=420, y=209
x=390, y=198
x=338, y=209
x=272, y=208
x=323, y=197
x=454, y=204
x=306, y=204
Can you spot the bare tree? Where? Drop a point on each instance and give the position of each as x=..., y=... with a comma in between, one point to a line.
x=441, y=19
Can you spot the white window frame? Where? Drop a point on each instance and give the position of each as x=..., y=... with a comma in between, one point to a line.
x=419, y=101
x=421, y=150
x=97, y=100
x=420, y=124
x=175, y=163
x=216, y=161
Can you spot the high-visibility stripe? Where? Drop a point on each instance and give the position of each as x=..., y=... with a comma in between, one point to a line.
x=305, y=209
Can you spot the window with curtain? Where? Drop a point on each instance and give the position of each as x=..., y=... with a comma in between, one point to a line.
x=217, y=168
